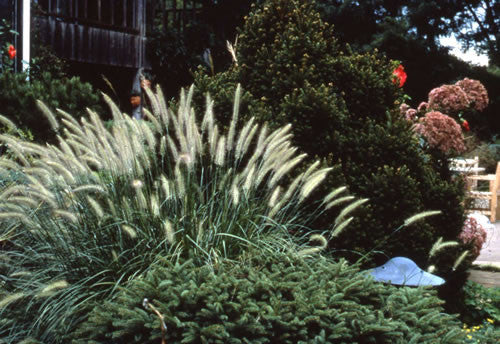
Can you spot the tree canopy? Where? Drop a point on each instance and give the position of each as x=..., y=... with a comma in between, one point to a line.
x=475, y=23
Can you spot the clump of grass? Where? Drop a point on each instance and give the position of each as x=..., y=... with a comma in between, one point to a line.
x=103, y=205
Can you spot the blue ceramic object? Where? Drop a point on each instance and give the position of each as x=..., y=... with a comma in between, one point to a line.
x=404, y=271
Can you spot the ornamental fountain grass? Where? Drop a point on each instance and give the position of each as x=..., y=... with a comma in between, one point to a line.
x=103, y=206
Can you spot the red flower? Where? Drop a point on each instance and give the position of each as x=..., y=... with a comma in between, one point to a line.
x=12, y=52
x=400, y=74
x=465, y=124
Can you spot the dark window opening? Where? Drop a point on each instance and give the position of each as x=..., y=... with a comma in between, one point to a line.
x=92, y=10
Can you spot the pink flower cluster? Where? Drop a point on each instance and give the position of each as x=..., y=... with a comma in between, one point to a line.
x=422, y=107
x=450, y=99
x=408, y=113
x=441, y=132
x=476, y=93
x=473, y=233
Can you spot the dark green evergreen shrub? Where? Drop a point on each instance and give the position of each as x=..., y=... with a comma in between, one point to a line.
x=343, y=106
x=275, y=299
x=18, y=97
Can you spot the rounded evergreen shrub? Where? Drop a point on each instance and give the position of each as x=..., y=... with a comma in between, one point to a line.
x=278, y=298
x=344, y=108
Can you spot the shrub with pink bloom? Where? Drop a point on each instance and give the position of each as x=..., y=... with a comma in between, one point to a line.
x=473, y=234
x=422, y=107
x=441, y=132
x=407, y=112
x=476, y=93
x=411, y=115
x=450, y=99
x=403, y=108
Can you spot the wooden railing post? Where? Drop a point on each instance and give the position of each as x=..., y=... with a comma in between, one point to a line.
x=124, y=23
x=99, y=12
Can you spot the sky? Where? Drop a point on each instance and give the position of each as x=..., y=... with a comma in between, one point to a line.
x=469, y=56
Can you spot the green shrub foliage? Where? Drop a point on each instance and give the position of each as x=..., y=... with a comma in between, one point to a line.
x=278, y=299
x=18, y=97
x=343, y=107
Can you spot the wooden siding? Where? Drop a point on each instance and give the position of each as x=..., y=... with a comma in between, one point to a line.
x=108, y=32
x=84, y=43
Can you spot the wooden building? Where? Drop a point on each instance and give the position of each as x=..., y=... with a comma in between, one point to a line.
x=106, y=32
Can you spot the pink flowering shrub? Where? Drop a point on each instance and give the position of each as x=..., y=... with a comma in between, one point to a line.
x=450, y=99
x=403, y=108
x=411, y=115
x=441, y=132
x=407, y=112
x=473, y=234
x=422, y=107
x=475, y=92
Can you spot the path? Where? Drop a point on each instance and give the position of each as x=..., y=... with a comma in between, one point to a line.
x=490, y=255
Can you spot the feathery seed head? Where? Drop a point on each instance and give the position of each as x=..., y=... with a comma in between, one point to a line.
x=52, y=288
x=334, y=194
x=274, y=197
x=339, y=201
x=179, y=181
x=242, y=137
x=96, y=208
x=169, y=232
x=137, y=184
x=320, y=239
x=66, y=215
x=186, y=159
x=235, y=194
x=340, y=227
x=129, y=231
x=249, y=178
x=8, y=123
x=234, y=119
x=460, y=259
x=315, y=179
x=350, y=208
x=420, y=216
x=221, y=152
x=141, y=199
x=50, y=116
x=286, y=166
x=10, y=299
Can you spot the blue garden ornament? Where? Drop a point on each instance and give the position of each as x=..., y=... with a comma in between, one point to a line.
x=404, y=271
